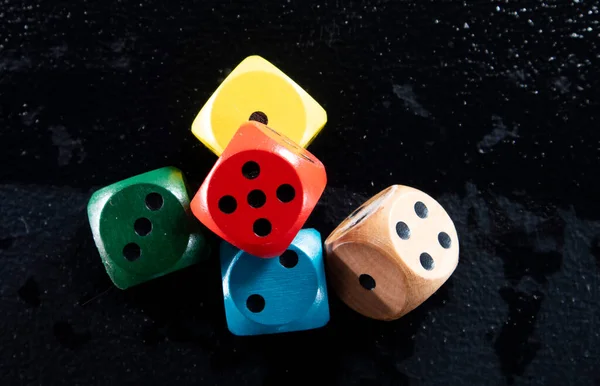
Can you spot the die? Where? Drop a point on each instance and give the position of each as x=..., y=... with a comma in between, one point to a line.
x=143, y=227
x=267, y=296
x=392, y=253
x=258, y=89
x=260, y=192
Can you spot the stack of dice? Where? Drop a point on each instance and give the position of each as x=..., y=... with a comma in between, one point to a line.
x=383, y=260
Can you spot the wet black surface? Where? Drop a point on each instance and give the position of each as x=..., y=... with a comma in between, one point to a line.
x=492, y=108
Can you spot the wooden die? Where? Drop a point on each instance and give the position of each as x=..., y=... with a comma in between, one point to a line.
x=392, y=253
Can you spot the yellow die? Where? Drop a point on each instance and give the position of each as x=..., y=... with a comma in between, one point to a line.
x=256, y=85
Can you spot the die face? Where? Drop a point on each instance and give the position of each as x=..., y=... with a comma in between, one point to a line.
x=277, y=99
x=143, y=228
x=261, y=191
x=255, y=197
x=287, y=107
x=161, y=235
x=368, y=280
x=265, y=296
x=423, y=234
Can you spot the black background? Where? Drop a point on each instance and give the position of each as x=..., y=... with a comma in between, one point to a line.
x=490, y=107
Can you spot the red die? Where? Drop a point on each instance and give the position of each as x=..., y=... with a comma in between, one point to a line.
x=260, y=192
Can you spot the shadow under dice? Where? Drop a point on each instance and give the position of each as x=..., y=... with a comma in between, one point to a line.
x=143, y=228
x=282, y=294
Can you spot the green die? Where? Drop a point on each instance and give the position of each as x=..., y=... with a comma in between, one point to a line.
x=144, y=229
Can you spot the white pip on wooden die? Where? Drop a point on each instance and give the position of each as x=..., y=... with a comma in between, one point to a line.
x=392, y=253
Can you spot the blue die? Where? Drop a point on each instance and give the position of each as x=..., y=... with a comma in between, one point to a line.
x=280, y=294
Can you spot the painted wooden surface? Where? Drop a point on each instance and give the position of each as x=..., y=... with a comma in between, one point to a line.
x=257, y=86
x=282, y=294
x=261, y=191
x=144, y=229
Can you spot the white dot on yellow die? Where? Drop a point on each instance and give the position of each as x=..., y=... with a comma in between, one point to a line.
x=255, y=85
